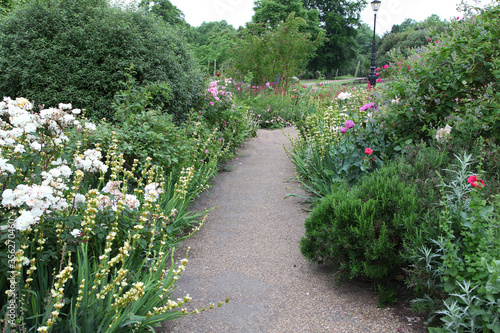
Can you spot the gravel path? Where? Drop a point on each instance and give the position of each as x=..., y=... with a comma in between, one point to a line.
x=248, y=250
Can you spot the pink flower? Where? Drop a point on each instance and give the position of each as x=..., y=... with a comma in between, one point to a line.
x=211, y=103
x=320, y=84
x=437, y=42
x=379, y=80
x=220, y=139
x=368, y=151
x=343, y=130
x=206, y=151
x=430, y=39
x=475, y=182
x=386, y=66
x=349, y=124
x=303, y=86
x=377, y=74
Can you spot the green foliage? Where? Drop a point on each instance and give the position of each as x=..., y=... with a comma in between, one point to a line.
x=362, y=229
x=328, y=152
x=404, y=38
x=213, y=41
x=232, y=124
x=272, y=107
x=340, y=20
x=272, y=13
x=77, y=53
x=219, y=47
x=166, y=10
x=390, y=214
x=469, y=248
x=454, y=80
x=7, y=5
x=273, y=53
x=402, y=43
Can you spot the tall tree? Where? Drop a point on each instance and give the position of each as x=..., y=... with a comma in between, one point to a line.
x=274, y=53
x=206, y=30
x=213, y=41
x=340, y=19
x=273, y=12
x=166, y=10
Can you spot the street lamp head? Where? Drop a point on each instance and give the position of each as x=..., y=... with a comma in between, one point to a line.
x=376, y=5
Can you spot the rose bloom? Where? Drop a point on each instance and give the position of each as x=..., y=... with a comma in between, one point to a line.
x=475, y=182
x=368, y=151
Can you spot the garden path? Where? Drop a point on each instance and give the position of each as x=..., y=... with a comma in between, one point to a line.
x=248, y=250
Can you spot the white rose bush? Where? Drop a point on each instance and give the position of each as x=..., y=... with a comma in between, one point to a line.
x=85, y=243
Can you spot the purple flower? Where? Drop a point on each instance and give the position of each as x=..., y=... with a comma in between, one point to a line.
x=349, y=124
x=343, y=130
x=367, y=106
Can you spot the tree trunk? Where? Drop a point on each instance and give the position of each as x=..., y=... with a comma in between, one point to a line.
x=329, y=74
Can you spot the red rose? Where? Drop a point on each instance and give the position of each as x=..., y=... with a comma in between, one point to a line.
x=218, y=74
x=368, y=151
x=475, y=182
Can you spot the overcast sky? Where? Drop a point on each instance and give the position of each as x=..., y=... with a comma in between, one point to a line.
x=238, y=12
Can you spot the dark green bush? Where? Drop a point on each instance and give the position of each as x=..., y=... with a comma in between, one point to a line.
x=363, y=229
x=74, y=52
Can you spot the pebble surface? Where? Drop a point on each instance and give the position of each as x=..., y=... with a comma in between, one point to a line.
x=248, y=251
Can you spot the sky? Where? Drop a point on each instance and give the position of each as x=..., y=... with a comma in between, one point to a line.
x=238, y=12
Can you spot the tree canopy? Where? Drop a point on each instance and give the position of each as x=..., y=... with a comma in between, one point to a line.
x=273, y=53
x=340, y=19
x=273, y=12
x=166, y=10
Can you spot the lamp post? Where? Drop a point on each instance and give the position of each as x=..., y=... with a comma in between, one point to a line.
x=373, y=77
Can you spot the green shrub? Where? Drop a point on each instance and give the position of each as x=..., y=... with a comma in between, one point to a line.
x=365, y=228
x=362, y=229
x=74, y=52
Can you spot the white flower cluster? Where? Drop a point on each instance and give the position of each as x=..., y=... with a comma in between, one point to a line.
x=152, y=192
x=90, y=161
x=113, y=188
x=18, y=135
x=344, y=95
x=38, y=198
x=6, y=167
x=24, y=121
x=443, y=134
